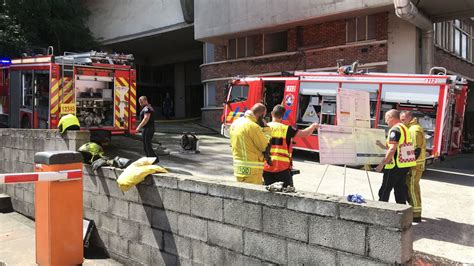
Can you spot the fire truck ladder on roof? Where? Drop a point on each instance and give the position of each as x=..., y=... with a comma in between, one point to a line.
x=95, y=57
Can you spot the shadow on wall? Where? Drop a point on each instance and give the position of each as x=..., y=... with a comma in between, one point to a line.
x=154, y=217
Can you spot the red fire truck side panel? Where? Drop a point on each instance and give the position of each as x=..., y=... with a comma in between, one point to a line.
x=121, y=99
x=133, y=101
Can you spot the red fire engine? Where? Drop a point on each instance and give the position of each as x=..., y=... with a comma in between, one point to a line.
x=438, y=101
x=99, y=88
x=4, y=92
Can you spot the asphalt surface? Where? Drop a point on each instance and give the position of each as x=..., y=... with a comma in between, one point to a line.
x=447, y=229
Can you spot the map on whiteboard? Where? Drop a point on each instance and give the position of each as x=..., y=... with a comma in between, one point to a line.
x=353, y=108
x=350, y=145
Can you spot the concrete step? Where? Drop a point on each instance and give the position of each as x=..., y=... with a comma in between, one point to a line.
x=5, y=202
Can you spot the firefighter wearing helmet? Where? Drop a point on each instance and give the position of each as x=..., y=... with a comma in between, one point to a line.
x=68, y=122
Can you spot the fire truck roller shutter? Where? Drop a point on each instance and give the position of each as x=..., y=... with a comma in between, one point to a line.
x=319, y=88
x=406, y=93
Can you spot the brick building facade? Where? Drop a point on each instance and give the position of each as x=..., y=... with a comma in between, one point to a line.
x=313, y=47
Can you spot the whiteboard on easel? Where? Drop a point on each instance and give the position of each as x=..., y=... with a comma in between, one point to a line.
x=353, y=108
x=349, y=145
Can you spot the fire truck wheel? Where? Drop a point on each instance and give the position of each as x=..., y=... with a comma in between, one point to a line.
x=25, y=122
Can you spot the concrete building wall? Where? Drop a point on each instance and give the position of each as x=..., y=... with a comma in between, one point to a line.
x=120, y=20
x=215, y=18
x=403, y=52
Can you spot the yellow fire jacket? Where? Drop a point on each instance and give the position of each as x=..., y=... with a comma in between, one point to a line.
x=248, y=142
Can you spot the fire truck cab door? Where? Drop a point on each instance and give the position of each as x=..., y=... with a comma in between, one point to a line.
x=241, y=97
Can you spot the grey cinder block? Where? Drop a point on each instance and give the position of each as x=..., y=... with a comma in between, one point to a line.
x=315, y=205
x=337, y=234
x=265, y=197
x=390, y=246
x=304, y=254
x=108, y=222
x=151, y=195
x=207, y=207
x=229, y=191
x=226, y=236
x=151, y=237
x=286, y=223
x=378, y=213
x=118, y=245
x=237, y=259
x=177, y=245
x=139, y=252
x=192, y=227
x=265, y=247
x=352, y=259
x=205, y=254
x=176, y=200
x=101, y=203
x=159, y=257
x=192, y=186
x=165, y=220
x=139, y=213
x=243, y=214
x=128, y=230
x=118, y=207
x=165, y=181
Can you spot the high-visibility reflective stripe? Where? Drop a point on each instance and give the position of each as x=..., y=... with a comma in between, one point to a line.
x=54, y=96
x=281, y=151
x=247, y=163
x=280, y=158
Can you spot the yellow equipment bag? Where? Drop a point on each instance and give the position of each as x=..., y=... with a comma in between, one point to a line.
x=137, y=171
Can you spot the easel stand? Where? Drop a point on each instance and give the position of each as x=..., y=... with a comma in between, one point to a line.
x=344, y=186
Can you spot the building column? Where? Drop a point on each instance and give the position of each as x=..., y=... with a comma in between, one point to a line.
x=179, y=91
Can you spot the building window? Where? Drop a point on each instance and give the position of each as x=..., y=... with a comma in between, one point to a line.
x=210, y=94
x=208, y=52
x=275, y=42
x=456, y=37
x=360, y=29
x=242, y=47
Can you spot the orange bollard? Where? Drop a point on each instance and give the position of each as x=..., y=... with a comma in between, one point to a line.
x=58, y=210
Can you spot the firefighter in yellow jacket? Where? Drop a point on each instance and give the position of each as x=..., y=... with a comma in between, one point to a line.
x=413, y=180
x=248, y=144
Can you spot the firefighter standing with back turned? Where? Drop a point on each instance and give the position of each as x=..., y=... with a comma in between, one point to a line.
x=281, y=150
x=248, y=143
x=414, y=176
x=399, y=158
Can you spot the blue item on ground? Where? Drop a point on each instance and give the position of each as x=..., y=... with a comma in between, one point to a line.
x=356, y=198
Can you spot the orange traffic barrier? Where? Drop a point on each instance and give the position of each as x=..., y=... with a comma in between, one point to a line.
x=58, y=211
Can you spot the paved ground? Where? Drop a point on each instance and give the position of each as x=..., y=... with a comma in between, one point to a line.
x=17, y=242
x=447, y=229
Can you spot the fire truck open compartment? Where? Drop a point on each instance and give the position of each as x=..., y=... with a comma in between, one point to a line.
x=95, y=102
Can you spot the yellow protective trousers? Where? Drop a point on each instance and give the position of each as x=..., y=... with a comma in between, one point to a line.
x=413, y=184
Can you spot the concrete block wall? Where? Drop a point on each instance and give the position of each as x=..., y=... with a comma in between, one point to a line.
x=17, y=150
x=171, y=219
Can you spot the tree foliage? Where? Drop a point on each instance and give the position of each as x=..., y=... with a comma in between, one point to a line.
x=43, y=23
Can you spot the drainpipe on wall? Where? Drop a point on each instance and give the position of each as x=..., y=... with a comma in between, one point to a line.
x=406, y=10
